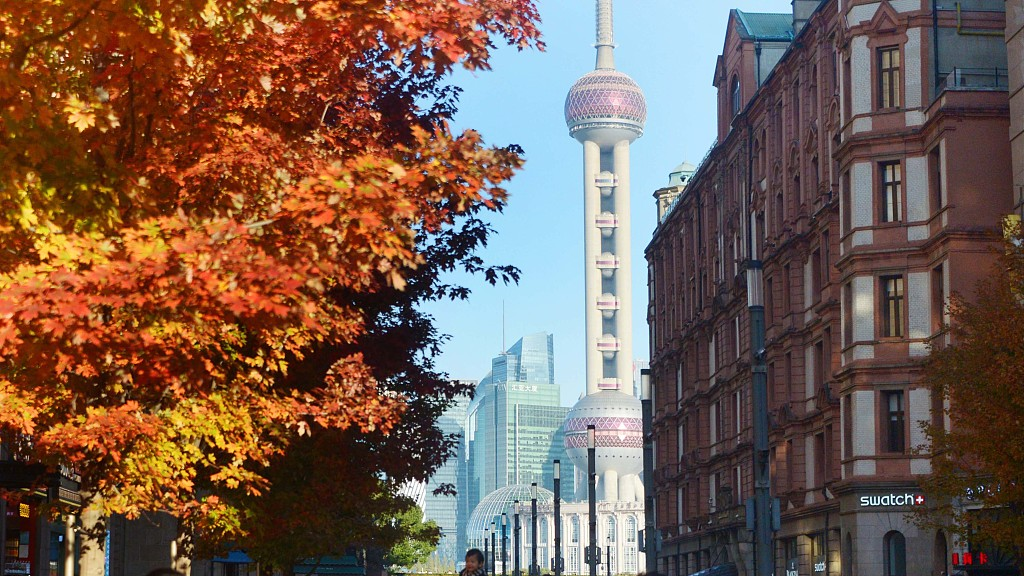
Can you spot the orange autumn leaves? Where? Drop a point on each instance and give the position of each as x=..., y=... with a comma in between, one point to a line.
x=186, y=187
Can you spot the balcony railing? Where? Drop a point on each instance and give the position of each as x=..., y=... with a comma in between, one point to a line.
x=977, y=79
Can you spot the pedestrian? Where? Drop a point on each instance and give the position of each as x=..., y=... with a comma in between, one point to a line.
x=474, y=563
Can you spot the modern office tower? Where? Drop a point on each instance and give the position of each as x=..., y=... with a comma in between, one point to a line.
x=444, y=508
x=605, y=111
x=514, y=424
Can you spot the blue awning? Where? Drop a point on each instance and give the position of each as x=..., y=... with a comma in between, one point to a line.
x=234, y=557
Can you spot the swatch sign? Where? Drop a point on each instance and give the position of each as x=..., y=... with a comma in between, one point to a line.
x=889, y=500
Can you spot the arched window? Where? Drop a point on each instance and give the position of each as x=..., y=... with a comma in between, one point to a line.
x=895, y=551
x=630, y=529
x=611, y=529
x=574, y=534
x=734, y=95
x=543, y=532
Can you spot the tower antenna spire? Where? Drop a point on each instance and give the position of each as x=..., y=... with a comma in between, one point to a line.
x=605, y=36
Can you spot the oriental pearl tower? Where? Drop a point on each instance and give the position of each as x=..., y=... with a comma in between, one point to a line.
x=605, y=111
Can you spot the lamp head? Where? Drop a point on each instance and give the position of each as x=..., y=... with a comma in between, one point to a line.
x=558, y=469
x=591, y=436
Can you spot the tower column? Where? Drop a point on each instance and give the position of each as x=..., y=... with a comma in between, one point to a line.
x=592, y=249
x=623, y=276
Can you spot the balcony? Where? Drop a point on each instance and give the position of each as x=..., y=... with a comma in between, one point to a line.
x=977, y=79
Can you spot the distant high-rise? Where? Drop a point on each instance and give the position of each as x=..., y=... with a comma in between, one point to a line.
x=514, y=424
x=443, y=508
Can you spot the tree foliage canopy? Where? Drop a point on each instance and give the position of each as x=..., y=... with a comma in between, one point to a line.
x=979, y=464
x=200, y=200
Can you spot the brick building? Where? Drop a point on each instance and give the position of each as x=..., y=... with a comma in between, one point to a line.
x=862, y=156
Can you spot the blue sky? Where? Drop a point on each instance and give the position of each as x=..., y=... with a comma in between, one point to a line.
x=669, y=47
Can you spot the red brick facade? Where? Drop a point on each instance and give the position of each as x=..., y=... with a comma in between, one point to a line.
x=871, y=181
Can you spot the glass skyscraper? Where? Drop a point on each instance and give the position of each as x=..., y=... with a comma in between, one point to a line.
x=443, y=508
x=514, y=425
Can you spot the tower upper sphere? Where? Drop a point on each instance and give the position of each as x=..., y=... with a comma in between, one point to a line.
x=605, y=98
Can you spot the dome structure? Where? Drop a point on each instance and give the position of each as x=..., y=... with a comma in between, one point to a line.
x=605, y=100
x=497, y=502
x=618, y=423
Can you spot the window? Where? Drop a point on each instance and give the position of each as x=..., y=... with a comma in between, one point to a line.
x=819, y=363
x=938, y=298
x=574, y=533
x=630, y=529
x=819, y=459
x=816, y=275
x=734, y=95
x=892, y=306
x=829, y=460
x=848, y=426
x=847, y=314
x=889, y=77
x=818, y=547
x=680, y=444
x=679, y=382
x=611, y=529
x=738, y=484
x=895, y=552
x=769, y=301
x=935, y=179
x=716, y=422
x=895, y=436
x=737, y=407
x=847, y=208
x=826, y=260
x=891, y=199
x=736, y=336
x=779, y=214
x=787, y=305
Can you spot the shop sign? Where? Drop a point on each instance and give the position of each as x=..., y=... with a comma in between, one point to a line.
x=887, y=500
x=819, y=564
x=792, y=569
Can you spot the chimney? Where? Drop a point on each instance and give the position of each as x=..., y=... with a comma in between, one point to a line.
x=802, y=10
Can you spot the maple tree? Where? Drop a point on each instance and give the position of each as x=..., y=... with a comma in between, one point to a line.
x=197, y=198
x=979, y=463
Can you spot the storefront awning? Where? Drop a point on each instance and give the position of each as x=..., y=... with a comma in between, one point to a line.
x=234, y=557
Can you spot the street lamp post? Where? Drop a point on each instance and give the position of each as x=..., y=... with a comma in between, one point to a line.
x=763, y=524
x=515, y=540
x=592, y=497
x=608, y=555
x=504, y=541
x=558, y=518
x=494, y=548
x=485, y=551
x=534, y=568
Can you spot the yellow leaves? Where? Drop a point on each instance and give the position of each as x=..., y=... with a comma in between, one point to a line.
x=84, y=115
x=80, y=114
x=211, y=14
